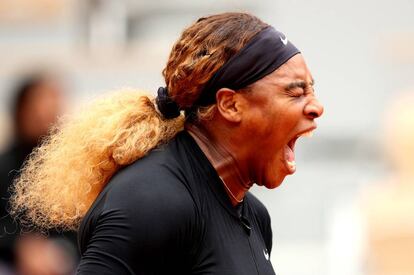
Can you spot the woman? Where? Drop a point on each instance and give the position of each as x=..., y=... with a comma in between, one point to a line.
x=184, y=206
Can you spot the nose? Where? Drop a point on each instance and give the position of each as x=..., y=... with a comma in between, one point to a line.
x=313, y=109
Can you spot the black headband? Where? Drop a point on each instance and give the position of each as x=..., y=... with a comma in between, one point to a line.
x=264, y=53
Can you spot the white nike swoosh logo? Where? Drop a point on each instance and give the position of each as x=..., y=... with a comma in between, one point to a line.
x=284, y=40
x=266, y=254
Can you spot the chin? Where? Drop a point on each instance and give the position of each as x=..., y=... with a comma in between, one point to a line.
x=274, y=182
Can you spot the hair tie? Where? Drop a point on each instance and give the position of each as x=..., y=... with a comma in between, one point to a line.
x=167, y=107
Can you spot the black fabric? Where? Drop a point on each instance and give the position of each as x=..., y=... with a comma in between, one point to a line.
x=264, y=53
x=168, y=213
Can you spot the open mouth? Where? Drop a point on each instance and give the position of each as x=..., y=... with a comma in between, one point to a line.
x=290, y=150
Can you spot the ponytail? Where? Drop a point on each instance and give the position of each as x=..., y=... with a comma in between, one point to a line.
x=64, y=175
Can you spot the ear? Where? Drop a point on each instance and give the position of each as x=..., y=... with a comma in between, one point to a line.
x=229, y=104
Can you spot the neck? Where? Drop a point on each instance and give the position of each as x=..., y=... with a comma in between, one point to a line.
x=223, y=161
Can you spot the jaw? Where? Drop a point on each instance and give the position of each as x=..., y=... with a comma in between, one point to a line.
x=283, y=164
x=272, y=173
x=274, y=180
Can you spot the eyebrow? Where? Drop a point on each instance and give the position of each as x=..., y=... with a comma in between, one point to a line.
x=300, y=84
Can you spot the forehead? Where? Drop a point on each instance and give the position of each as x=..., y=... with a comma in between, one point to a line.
x=294, y=69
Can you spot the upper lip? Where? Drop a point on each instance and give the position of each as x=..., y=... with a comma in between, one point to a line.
x=292, y=141
x=305, y=131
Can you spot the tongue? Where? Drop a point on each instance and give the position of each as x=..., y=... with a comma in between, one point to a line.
x=289, y=155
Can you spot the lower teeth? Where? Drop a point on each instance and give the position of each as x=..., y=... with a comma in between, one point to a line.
x=292, y=164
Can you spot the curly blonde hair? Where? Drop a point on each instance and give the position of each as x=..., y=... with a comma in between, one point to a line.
x=65, y=174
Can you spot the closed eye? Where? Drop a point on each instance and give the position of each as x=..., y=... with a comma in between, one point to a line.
x=299, y=88
x=296, y=89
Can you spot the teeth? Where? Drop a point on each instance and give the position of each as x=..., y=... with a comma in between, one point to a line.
x=307, y=134
x=292, y=164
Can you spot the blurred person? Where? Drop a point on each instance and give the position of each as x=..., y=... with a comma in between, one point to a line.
x=38, y=101
x=37, y=255
x=388, y=207
x=160, y=185
x=373, y=234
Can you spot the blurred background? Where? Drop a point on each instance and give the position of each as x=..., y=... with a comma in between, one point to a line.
x=349, y=208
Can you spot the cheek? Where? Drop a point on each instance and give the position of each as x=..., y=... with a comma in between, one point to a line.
x=274, y=129
x=288, y=120
x=277, y=131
